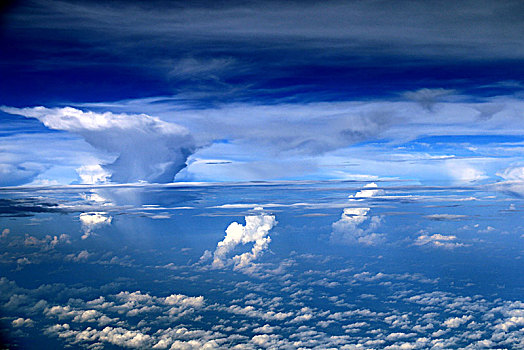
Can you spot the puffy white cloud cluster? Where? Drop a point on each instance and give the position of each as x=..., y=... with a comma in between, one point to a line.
x=25, y=249
x=146, y=148
x=347, y=230
x=454, y=322
x=113, y=329
x=256, y=231
x=46, y=243
x=279, y=311
x=22, y=322
x=81, y=256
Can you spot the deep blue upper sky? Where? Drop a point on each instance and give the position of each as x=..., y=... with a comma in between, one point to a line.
x=211, y=57
x=87, y=51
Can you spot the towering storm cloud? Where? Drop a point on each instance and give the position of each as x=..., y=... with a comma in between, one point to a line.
x=255, y=230
x=146, y=148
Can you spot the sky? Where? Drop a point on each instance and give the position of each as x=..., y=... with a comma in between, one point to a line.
x=156, y=92
x=261, y=174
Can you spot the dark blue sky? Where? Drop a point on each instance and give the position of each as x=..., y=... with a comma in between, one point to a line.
x=85, y=51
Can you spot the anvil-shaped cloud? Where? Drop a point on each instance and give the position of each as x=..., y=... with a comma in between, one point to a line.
x=146, y=148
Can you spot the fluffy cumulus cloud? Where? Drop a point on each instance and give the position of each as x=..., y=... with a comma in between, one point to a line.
x=438, y=240
x=93, y=220
x=146, y=148
x=348, y=229
x=93, y=174
x=256, y=231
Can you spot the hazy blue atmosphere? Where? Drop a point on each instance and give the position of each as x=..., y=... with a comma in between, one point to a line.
x=262, y=174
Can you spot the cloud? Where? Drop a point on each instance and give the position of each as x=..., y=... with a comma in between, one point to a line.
x=348, y=28
x=93, y=220
x=146, y=148
x=445, y=217
x=514, y=179
x=256, y=231
x=454, y=322
x=46, y=243
x=207, y=69
x=93, y=174
x=428, y=97
x=464, y=172
x=438, y=240
x=275, y=141
x=369, y=190
x=488, y=110
x=347, y=230
x=16, y=174
x=513, y=173
x=81, y=256
x=21, y=322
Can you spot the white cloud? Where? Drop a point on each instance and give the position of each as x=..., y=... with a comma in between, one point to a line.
x=310, y=139
x=513, y=173
x=266, y=329
x=455, y=322
x=399, y=335
x=93, y=220
x=46, y=243
x=438, y=240
x=369, y=190
x=514, y=179
x=463, y=172
x=347, y=230
x=81, y=256
x=255, y=230
x=93, y=174
x=146, y=148
x=22, y=322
